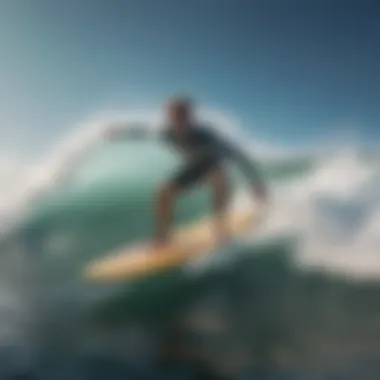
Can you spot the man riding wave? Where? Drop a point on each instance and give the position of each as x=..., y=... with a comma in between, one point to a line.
x=205, y=153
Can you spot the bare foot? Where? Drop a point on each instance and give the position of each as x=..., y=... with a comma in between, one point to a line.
x=159, y=242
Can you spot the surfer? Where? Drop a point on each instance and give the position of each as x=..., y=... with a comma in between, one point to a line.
x=205, y=153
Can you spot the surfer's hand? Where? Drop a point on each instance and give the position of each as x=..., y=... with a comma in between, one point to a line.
x=260, y=191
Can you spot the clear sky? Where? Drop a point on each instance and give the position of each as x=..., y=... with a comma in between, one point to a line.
x=292, y=70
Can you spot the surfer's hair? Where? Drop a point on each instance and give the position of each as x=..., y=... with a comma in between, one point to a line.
x=180, y=100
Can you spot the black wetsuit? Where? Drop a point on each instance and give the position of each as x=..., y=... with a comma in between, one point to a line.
x=204, y=151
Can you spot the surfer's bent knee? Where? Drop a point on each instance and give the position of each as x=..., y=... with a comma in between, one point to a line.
x=167, y=192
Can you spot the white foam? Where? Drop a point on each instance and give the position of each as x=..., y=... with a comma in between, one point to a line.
x=335, y=214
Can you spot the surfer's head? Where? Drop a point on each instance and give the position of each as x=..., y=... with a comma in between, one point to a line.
x=179, y=112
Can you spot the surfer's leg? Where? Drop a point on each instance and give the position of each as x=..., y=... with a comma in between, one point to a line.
x=183, y=180
x=221, y=196
x=164, y=210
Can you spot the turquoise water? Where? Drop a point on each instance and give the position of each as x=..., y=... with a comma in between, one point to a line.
x=259, y=310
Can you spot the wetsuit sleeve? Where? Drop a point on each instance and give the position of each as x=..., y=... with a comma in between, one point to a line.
x=246, y=164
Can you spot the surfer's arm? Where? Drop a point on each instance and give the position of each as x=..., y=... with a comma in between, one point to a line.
x=246, y=164
x=131, y=131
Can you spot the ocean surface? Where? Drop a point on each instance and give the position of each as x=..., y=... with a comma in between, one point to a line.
x=297, y=298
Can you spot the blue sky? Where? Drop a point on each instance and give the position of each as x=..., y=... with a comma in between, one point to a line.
x=295, y=71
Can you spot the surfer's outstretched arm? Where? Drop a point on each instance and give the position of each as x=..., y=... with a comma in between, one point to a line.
x=131, y=131
x=115, y=131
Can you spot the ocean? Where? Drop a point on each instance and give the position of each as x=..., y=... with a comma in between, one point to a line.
x=297, y=298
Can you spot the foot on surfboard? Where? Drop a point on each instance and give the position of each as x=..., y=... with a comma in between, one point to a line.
x=159, y=242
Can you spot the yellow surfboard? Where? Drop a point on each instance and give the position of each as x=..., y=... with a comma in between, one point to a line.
x=187, y=243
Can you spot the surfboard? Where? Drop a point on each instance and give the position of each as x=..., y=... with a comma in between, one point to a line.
x=186, y=243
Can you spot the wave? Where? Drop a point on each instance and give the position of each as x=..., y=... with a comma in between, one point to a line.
x=322, y=233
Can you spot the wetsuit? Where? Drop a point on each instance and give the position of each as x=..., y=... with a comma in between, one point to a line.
x=204, y=151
